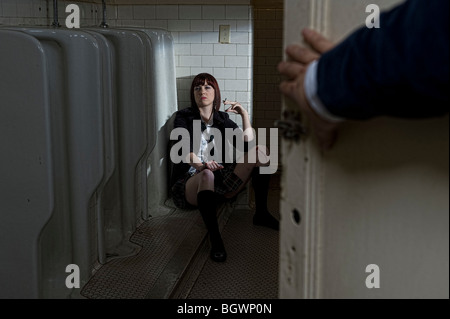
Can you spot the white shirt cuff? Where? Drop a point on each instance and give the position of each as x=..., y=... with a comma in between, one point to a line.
x=310, y=87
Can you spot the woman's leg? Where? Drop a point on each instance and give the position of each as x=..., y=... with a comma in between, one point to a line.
x=244, y=169
x=201, y=182
x=200, y=193
x=260, y=183
x=262, y=217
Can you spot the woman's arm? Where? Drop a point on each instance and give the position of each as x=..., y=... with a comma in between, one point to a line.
x=247, y=126
x=195, y=162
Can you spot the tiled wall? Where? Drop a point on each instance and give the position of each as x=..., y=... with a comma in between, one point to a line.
x=20, y=12
x=245, y=69
x=195, y=29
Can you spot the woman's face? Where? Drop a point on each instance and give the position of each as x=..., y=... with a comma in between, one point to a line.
x=204, y=95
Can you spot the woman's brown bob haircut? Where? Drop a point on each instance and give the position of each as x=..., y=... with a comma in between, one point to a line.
x=210, y=80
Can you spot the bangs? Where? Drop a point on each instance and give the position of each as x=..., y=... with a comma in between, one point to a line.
x=202, y=78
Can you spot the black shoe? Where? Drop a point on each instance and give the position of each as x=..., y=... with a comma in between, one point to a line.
x=218, y=252
x=266, y=220
x=219, y=255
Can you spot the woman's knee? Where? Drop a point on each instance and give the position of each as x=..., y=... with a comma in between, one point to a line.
x=257, y=155
x=206, y=176
x=263, y=149
x=262, y=156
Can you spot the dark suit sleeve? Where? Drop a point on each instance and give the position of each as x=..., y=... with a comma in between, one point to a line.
x=400, y=69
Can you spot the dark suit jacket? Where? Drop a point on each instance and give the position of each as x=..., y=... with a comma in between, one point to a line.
x=400, y=69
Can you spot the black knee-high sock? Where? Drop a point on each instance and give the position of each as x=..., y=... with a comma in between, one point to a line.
x=260, y=183
x=207, y=205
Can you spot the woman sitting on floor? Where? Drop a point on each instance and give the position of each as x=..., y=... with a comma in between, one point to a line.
x=203, y=179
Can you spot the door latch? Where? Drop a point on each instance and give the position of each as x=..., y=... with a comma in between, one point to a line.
x=290, y=126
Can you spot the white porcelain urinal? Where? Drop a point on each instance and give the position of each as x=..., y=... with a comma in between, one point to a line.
x=161, y=70
x=132, y=87
x=88, y=150
x=28, y=194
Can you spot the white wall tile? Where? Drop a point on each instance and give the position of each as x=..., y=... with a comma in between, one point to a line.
x=195, y=71
x=183, y=96
x=225, y=49
x=39, y=9
x=5, y=21
x=210, y=37
x=213, y=61
x=111, y=13
x=144, y=12
x=236, y=85
x=177, y=61
x=190, y=61
x=237, y=12
x=190, y=37
x=183, y=72
x=202, y=49
x=213, y=12
x=16, y=21
x=179, y=25
x=125, y=12
x=157, y=24
x=9, y=8
x=240, y=37
x=184, y=83
x=131, y=23
x=167, y=12
x=243, y=97
x=202, y=25
x=243, y=73
x=182, y=49
x=236, y=62
x=244, y=49
x=189, y=12
x=225, y=73
x=244, y=25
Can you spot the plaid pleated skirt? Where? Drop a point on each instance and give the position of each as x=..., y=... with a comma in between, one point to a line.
x=225, y=181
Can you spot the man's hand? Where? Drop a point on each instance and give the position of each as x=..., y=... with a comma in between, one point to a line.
x=295, y=71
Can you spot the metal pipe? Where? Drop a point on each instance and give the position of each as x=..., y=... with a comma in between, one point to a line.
x=55, y=23
x=104, y=24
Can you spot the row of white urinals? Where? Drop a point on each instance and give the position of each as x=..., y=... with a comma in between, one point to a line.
x=84, y=125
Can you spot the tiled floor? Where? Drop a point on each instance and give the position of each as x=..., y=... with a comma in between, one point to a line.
x=174, y=259
x=251, y=269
